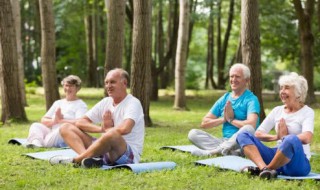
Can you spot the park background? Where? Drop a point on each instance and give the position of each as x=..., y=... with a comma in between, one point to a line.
x=178, y=54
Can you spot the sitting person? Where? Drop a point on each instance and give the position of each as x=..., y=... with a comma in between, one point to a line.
x=122, y=127
x=293, y=123
x=67, y=110
x=237, y=111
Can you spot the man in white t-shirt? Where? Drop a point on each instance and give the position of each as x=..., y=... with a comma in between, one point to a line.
x=121, y=122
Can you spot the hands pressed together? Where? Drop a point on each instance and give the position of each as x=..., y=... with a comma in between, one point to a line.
x=282, y=129
x=107, y=121
x=58, y=116
x=228, y=112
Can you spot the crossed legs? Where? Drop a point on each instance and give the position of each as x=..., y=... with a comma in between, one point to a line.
x=110, y=143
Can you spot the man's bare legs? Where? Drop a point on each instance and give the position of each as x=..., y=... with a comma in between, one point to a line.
x=75, y=138
x=110, y=142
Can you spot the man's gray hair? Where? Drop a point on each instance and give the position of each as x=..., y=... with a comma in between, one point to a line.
x=299, y=83
x=245, y=69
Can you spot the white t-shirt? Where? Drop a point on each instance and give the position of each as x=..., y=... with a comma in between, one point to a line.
x=69, y=109
x=298, y=122
x=128, y=108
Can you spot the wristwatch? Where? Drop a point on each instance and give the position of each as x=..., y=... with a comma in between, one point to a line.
x=230, y=120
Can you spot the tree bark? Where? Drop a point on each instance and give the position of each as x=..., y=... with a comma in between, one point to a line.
x=210, y=51
x=17, y=21
x=250, y=45
x=89, y=22
x=181, y=56
x=12, y=106
x=116, y=12
x=304, y=16
x=141, y=55
x=48, y=52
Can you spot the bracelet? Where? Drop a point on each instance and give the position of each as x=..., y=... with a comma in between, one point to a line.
x=230, y=120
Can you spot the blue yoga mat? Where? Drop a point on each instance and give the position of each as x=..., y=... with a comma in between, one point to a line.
x=236, y=163
x=136, y=168
x=144, y=167
x=183, y=148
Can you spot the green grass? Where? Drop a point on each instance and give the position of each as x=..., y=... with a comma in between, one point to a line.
x=170, y=128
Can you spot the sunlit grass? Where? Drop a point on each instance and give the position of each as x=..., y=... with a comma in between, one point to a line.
x=170, y=128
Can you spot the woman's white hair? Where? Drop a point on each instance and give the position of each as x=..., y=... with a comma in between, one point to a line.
x=245, y=69
x=299, y=83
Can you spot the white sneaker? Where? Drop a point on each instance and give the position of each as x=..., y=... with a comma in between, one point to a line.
x=34, y=144
x=59, y=159
x=200, y=152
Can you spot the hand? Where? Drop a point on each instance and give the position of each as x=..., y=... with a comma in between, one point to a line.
x=228, y=112
x=58, y=116
x=107, y=120
x=282, y=129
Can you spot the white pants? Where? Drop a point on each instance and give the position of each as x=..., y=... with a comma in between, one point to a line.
x=204, y=140
x=47, y=136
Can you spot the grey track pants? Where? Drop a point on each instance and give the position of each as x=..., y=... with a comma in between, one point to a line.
x=204, y=140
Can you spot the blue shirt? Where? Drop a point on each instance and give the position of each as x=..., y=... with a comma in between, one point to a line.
x=242, y=106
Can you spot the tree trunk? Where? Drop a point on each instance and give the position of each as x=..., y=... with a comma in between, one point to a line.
x=306, y=40
x=250, y=41
x=181, y=56
x=210, y=51
x=141, y=55
x=173, y=24
x=91, y=45
x=116, y=12
x=48, y=52
x=17, y=22
x=12, y=106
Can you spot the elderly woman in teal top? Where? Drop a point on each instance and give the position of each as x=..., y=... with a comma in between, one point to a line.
x=236, y=111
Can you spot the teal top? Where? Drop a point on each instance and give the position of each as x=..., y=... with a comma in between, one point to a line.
x=242, y=106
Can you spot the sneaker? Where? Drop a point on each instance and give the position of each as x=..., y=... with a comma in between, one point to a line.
x=34, y=144
x=268, y=174
x=252, y=170
x=61, y=160
x=92, y=163
x=200, y=152
x=236, y=152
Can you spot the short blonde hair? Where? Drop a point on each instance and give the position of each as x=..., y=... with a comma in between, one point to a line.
x=73, y=80
x=299, y=83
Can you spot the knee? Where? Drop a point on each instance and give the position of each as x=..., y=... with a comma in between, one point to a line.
x=290, y=140
x=243, y=136
x=248, y=128
x=111, y=135
x=192, y=134
x=65, y=128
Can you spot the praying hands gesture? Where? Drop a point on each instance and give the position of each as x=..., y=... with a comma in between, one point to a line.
x=58, y=116
x=228, y=112
x=282, y=129
x=107, y=120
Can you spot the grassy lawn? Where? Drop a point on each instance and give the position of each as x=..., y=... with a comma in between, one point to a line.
x=170, y=128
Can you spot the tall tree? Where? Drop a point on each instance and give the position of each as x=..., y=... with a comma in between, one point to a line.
x=17, y=23
x=141, y=55
x=181, y=56
x=223, y=46
x=210, y=50
x=116, y=14
x=12, y=107
x=48, y=53
x=250, y=46
x=304, y=16
x=90, y=28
